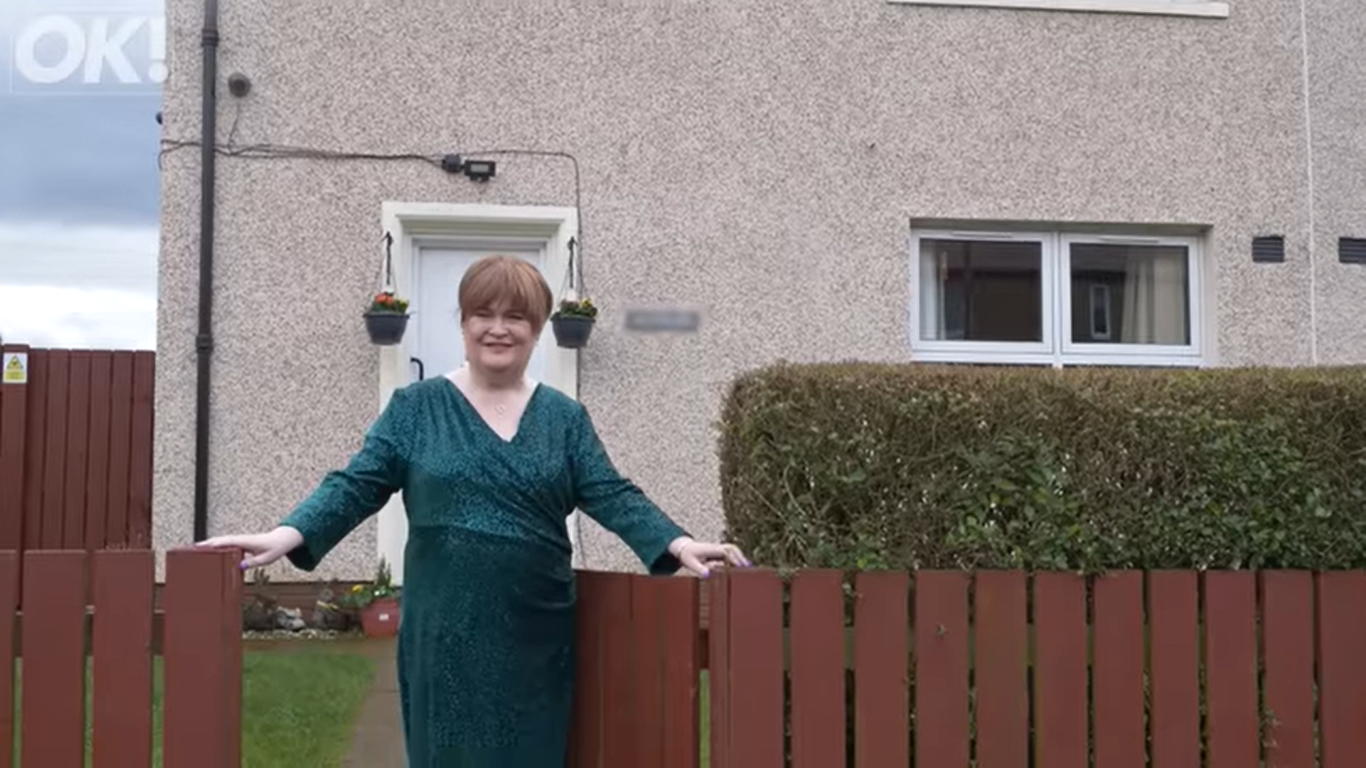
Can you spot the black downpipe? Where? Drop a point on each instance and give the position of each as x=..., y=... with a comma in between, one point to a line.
x=204, y=339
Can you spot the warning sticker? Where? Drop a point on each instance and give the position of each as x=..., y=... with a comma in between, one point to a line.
x=15, y=368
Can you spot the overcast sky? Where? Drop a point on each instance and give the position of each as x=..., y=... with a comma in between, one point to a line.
x=79, y=188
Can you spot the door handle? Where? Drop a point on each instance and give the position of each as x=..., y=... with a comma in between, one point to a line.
x=421, y=369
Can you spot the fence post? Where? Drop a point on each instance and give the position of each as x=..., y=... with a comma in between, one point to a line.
x=13, y=428
x=202, y=654
x=9, y=601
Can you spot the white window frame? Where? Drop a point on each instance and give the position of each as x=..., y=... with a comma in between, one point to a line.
x=1026, y=352
x=1057, y=348
x=1120, y=353
x=1209, y=9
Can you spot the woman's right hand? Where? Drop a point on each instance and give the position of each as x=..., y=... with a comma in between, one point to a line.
x=262, y=548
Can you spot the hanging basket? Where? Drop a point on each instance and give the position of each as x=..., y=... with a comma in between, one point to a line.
x=386, y=319
x=385, y=328
x=573, y=321
x=572, y=332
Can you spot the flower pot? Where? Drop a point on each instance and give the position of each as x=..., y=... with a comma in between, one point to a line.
x=385, y=328
x=380, y=618
x=572, y=332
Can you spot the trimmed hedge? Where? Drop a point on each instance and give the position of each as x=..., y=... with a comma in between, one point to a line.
x=864, y=466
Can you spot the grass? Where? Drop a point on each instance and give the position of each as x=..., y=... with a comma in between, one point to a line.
x=299, y=704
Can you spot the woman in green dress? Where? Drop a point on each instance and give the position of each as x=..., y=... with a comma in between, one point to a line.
x=490, y=465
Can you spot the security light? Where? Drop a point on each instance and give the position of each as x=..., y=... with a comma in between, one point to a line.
x=480, y=170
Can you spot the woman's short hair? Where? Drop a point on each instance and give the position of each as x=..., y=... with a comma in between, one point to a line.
x=494, y=279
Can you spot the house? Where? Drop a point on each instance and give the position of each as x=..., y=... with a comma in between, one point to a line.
x=1046, y=182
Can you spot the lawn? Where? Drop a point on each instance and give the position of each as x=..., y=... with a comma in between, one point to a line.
x=299, y=703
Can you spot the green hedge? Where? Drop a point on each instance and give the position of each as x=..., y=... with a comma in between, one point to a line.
x=911, y=466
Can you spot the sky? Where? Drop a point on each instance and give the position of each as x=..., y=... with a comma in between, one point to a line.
x=79, y=186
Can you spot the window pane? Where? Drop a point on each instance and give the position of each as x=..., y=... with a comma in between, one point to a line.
x=981, y=291
x=1130, y=294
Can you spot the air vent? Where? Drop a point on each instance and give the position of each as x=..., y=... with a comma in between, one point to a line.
x=1352, y=250
x=1269, y=249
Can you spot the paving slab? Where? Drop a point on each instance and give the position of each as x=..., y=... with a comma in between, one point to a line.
x=378, y=738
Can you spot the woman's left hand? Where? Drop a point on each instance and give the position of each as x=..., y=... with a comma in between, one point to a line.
x=698, y=556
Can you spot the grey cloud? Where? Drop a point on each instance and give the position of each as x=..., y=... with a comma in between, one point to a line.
x=79, y=159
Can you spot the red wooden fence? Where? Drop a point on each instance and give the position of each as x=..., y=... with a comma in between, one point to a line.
x=197, y=631
x=638, y=655
x=76, y=450
x=996, y=669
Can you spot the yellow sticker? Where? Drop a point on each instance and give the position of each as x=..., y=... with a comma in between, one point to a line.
x=15, y=368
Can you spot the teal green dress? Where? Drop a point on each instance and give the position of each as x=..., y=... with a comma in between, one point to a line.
x=486, y=638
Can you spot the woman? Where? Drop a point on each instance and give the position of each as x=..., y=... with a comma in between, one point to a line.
x=490, y=464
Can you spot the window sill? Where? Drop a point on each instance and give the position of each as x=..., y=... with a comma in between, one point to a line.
x=1112, y=360
x=1200, y=8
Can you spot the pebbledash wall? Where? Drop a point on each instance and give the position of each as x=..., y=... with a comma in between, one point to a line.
x=765, y=162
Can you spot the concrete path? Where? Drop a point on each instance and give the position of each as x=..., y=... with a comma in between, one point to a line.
x=378, y=740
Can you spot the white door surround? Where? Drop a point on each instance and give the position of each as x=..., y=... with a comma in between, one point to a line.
x=416, y=225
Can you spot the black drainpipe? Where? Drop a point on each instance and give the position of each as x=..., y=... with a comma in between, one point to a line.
x=204, y=339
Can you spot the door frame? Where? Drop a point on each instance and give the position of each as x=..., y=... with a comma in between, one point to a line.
x=414, y=223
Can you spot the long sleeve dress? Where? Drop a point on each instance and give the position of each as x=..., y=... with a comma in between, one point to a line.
x=486, y=640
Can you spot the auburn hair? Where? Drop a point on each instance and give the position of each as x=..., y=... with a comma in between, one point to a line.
x=495, y=279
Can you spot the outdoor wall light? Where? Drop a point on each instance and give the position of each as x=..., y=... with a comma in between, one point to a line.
x=475, y=170
x=480, y=170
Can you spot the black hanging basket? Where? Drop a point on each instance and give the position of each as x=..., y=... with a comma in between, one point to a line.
x=572, y=332
x=385, y=328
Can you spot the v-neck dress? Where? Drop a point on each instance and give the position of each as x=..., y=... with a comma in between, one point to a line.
x=486, y=634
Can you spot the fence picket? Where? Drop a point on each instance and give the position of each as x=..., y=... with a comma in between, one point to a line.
x=9, y=600
x=1231, y=668
x=54, y=462
x=818, y=691
x=77, y=451
x=140, y=454
x=881, y=659
x=121, y=447
x=618, y=719
x=1060, y=688
x=1120, y=736
x=122, y=650
x=681, y=673
x=13, y=423
x=35, y=450
x=941, y=669
x=647, y=681
x=202, y=652
x=718, y=671
x=53, y=671
x=586, y=737
x=1288, y=656
x=1174, y=637
x=97, y=453
x=1001, y=644
x=1342, y=670
x=755, y=684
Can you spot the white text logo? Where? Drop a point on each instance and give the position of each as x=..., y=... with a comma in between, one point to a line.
x=84, y=53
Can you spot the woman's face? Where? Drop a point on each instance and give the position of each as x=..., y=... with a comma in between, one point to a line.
x=498, y=339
